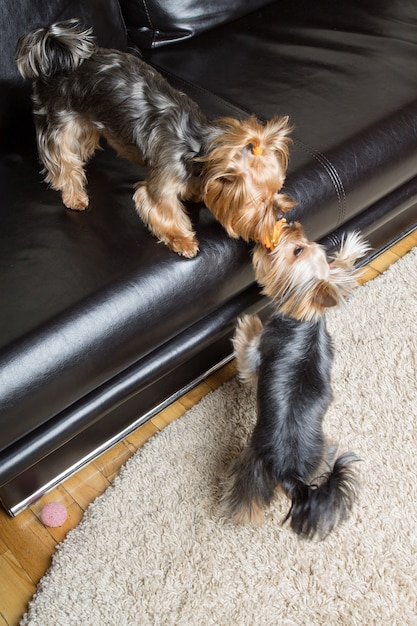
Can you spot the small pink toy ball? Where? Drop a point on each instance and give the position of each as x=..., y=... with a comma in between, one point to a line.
x=53, y=514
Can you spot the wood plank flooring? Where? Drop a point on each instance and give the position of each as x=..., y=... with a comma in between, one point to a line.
x=26, y=546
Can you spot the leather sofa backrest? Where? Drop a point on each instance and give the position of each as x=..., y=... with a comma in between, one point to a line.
x=158, y=22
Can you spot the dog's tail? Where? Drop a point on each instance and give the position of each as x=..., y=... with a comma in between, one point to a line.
x=61, y=47
x=316, y=509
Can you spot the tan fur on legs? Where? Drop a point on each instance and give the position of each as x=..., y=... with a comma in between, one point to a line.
x=245, y=342
x=166, y=219
x=241, y=499
x=64, y=154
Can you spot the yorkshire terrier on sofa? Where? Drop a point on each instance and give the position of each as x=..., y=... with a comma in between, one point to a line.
x=82, y=92
x=291, y=359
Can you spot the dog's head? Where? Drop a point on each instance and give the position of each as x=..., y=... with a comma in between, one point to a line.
x=243, y=172
x=300, y=278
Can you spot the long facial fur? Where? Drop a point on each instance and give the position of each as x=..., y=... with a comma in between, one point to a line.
x=242, y=188
x=81, y=91
x=300, y=278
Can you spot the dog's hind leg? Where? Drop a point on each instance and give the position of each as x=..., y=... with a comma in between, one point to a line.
x=165, y=216
x=246, y=344
x=64, y=149
x=248, y=489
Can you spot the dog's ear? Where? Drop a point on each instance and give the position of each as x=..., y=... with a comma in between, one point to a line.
x=225, y=195
x=276, y=133
x=283, y=203
x=324, y=295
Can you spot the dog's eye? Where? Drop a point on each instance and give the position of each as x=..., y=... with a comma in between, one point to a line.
x=298, y=251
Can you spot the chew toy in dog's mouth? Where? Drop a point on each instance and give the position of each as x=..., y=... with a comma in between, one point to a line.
x=271, y=242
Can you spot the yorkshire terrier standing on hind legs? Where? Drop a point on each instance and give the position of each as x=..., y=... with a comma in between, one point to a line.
x=82, y=92
x=290, y=358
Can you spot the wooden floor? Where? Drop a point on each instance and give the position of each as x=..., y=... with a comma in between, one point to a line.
x=26, y=546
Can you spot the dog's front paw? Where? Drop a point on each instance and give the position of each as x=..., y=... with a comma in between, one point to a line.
x=184, y=246
x=75, y=202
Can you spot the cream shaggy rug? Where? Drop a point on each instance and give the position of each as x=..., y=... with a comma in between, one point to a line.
x=153, y=551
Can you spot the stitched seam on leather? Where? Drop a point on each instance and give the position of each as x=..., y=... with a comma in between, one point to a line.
x=151, y=26
x=333, y=175
x=122, y=19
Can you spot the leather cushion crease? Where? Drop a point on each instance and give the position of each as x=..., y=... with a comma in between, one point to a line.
x=100, y=325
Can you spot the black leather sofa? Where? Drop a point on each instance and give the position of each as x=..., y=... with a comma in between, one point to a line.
x=100, y=326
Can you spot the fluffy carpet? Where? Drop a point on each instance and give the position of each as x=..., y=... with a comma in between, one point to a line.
x=153, y=549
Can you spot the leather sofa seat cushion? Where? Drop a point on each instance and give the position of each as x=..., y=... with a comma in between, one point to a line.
x=90, y=293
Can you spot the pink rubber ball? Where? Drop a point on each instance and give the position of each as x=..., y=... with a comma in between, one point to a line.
x=53, y=514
